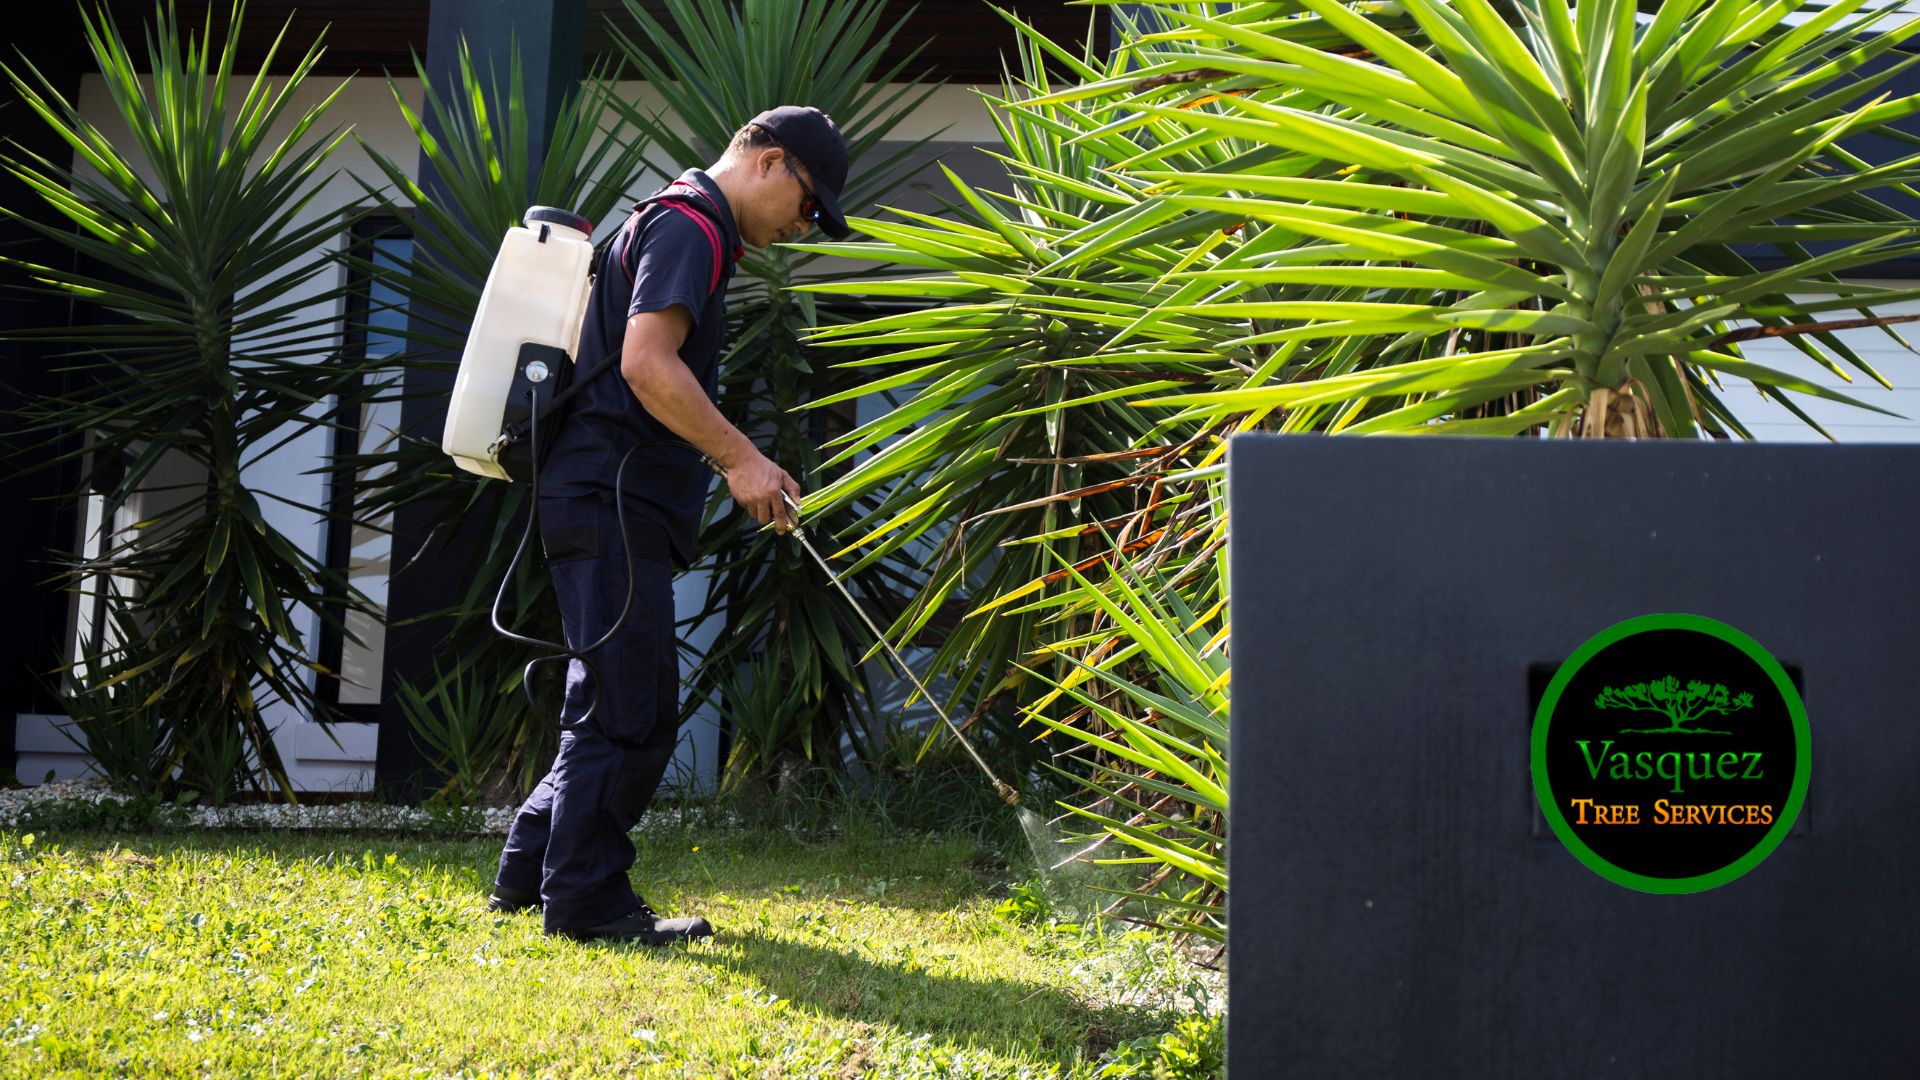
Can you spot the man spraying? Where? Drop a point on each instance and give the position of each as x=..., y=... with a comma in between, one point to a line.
x=660, y=298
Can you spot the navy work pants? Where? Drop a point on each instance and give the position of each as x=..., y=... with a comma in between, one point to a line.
x=569, y=840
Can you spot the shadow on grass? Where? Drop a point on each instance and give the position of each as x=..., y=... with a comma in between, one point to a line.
x=857, y=980
x=1005, y=1016
x=910, y=873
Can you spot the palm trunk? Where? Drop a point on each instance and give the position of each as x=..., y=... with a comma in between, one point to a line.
x=1617, y=414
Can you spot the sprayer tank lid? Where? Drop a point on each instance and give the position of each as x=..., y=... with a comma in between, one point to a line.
x=553, y=215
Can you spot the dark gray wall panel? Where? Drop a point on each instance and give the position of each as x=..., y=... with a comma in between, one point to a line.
x=433, y=569
x=1394, y=912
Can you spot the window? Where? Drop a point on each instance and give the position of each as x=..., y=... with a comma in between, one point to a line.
x=103, y=523
x=375, y=318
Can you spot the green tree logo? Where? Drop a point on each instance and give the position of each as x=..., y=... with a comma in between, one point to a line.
x=1680, y=707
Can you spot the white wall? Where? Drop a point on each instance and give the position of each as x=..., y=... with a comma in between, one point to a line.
x=1771, y=422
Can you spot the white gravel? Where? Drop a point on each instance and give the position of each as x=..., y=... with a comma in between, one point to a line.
x=18, y=806
x=22, y=808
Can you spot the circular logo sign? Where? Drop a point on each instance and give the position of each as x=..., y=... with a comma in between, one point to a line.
x=1671, y=753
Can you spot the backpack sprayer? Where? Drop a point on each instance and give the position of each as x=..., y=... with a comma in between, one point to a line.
x=516, y=373
x=516, y=370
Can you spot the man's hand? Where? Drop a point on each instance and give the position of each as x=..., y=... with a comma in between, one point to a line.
x=650, y=362
x=757, y=484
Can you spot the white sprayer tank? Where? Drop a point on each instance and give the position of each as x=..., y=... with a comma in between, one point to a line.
x=536, y=292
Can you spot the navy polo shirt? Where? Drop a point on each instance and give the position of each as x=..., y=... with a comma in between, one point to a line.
x=673, y=261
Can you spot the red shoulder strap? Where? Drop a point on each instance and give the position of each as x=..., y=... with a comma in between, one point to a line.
x=677, y=200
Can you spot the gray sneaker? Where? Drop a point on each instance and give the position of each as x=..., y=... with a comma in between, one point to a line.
x=645, y=926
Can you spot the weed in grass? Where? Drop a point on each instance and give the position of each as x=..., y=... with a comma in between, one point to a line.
x=1194, y=1050
x=450, y=815
x=1026, y=904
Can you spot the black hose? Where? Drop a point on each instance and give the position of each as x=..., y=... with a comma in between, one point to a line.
x=561, y=651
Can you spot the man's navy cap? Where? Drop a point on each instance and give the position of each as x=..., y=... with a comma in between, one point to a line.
x=809, y=134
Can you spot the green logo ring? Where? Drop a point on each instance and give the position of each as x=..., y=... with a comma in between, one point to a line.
x=1802, y=740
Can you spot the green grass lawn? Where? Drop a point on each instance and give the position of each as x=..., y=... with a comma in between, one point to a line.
x=180, y=953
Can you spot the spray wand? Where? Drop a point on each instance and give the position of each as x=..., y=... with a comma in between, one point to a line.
x=1000, y=787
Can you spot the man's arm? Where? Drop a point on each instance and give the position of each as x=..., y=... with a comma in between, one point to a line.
x=650, y=363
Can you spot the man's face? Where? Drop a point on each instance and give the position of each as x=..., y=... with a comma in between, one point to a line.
x=780, y=205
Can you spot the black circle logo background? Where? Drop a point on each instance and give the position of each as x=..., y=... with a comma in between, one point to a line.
x=1669, y=851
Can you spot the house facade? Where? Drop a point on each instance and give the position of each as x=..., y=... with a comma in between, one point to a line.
x=557, y=39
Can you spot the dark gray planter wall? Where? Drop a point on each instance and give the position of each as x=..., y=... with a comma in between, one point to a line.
x=1395, y=911
x=549, y=37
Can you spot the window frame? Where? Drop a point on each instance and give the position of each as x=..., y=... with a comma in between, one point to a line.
x=345, y=440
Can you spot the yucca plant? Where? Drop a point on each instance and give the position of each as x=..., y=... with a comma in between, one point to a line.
x=480, y=146
x=1011, y=441
x=1501, y=219
x=132, y=747
x=1381, y=218
x=716, y=66
x=1015, y=455
x=191, y=232
x=467, y=716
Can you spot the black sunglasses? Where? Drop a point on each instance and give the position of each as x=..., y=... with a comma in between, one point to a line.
x=810, y=206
